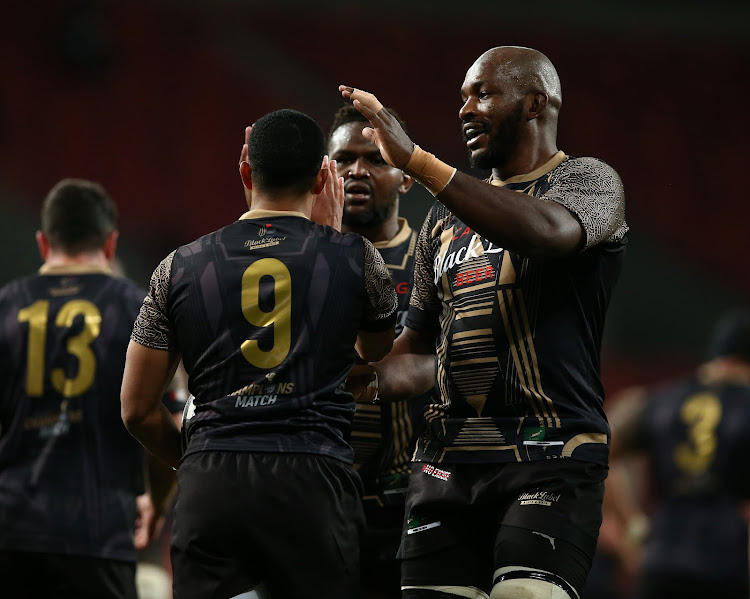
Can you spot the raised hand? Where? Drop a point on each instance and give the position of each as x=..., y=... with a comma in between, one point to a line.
x=243, y=158
x=385, y=131
x=328, y=208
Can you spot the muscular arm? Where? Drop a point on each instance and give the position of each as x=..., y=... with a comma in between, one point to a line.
x=147, y=373
x=409, y=369
x=529, y=226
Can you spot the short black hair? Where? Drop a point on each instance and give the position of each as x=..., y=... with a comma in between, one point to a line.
x=731, y=335
x=285, y=150
x=349, y=114
x=77, y=216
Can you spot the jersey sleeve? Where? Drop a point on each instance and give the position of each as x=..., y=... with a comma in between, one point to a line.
x=381, y=294
x=593, y=192
x=424, y=305
x=152, y=327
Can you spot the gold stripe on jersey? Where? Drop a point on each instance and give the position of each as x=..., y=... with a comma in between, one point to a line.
x=578, y=440
x=479, y=287
x=365, y=436
x=472, y=313
x=402, y=432
x=479, y=431
x=474, y=333
x=521, y=342
x=513, y=448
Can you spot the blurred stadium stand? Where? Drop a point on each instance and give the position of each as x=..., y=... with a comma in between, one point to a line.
x=151, y=99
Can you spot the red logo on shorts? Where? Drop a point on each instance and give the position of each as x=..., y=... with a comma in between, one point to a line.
x=436, y=472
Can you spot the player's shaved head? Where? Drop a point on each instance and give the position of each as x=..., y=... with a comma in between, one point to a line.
x=285, y=150
x=529, y=69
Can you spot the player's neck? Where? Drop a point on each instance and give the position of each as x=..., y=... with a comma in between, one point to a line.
x=58, y=258
x=525, y=160
x=284, y=203
x=385, y=231
x=725, y=370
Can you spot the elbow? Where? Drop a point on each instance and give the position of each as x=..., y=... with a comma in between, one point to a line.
x=373, y=347
x=376, y=354
x=132, y=418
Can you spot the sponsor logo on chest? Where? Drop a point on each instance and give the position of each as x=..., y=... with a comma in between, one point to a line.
x=475, y=248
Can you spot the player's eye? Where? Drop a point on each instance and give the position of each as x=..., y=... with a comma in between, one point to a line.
x=342, y=159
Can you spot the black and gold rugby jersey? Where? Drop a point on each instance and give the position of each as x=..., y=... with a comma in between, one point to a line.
x=383, y=434
x=695, y=436
x=265, y=313
x=518, y=340
x=69, y=470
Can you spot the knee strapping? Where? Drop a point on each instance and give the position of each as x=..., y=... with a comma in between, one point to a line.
x=517, y=582
x=441, y=592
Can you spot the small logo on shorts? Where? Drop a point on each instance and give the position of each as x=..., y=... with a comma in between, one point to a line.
x=538, y=498
x=436, y=472
x=415, y=524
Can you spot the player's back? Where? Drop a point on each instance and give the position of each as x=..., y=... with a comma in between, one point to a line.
x=69, y=471
x=265, y=313
x=696, y=436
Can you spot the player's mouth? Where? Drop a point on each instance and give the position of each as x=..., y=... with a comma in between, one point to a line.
x=474, y=134
x=357, y=192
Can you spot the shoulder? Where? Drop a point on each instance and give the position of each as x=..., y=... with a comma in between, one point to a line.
x=586, y=170
x=128, y=287
x=12, y=287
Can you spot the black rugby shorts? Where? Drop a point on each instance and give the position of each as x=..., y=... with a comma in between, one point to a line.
x=290, y=521
x=465, y=521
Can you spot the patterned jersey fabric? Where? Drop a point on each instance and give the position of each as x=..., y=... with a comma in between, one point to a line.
x=518, y=340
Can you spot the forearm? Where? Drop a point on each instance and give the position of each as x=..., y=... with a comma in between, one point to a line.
x=409, y=369
x=524, y=224
x=161, y=483
x=158, y=433
x=405, y=376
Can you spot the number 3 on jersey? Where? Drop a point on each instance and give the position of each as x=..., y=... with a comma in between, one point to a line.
x=701, y=414
x=79, y=345
x=280, y=316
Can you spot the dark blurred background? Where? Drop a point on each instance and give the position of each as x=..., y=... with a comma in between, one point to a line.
x=150, y=98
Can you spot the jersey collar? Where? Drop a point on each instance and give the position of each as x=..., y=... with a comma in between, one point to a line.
x=553, y=162
x=404, y=231
x=251, y=214
x=74, y=269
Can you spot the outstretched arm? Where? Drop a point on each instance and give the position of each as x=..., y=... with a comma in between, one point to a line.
x=527, y=225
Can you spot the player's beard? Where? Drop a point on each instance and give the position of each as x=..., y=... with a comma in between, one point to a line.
x=502, y=143
x=375, y=216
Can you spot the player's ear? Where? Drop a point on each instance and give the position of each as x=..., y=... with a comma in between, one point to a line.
x=245, y=174
x=320, y=180
x=43, y=244
x=406, y=182
x=535, y=105
x=110, y=244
